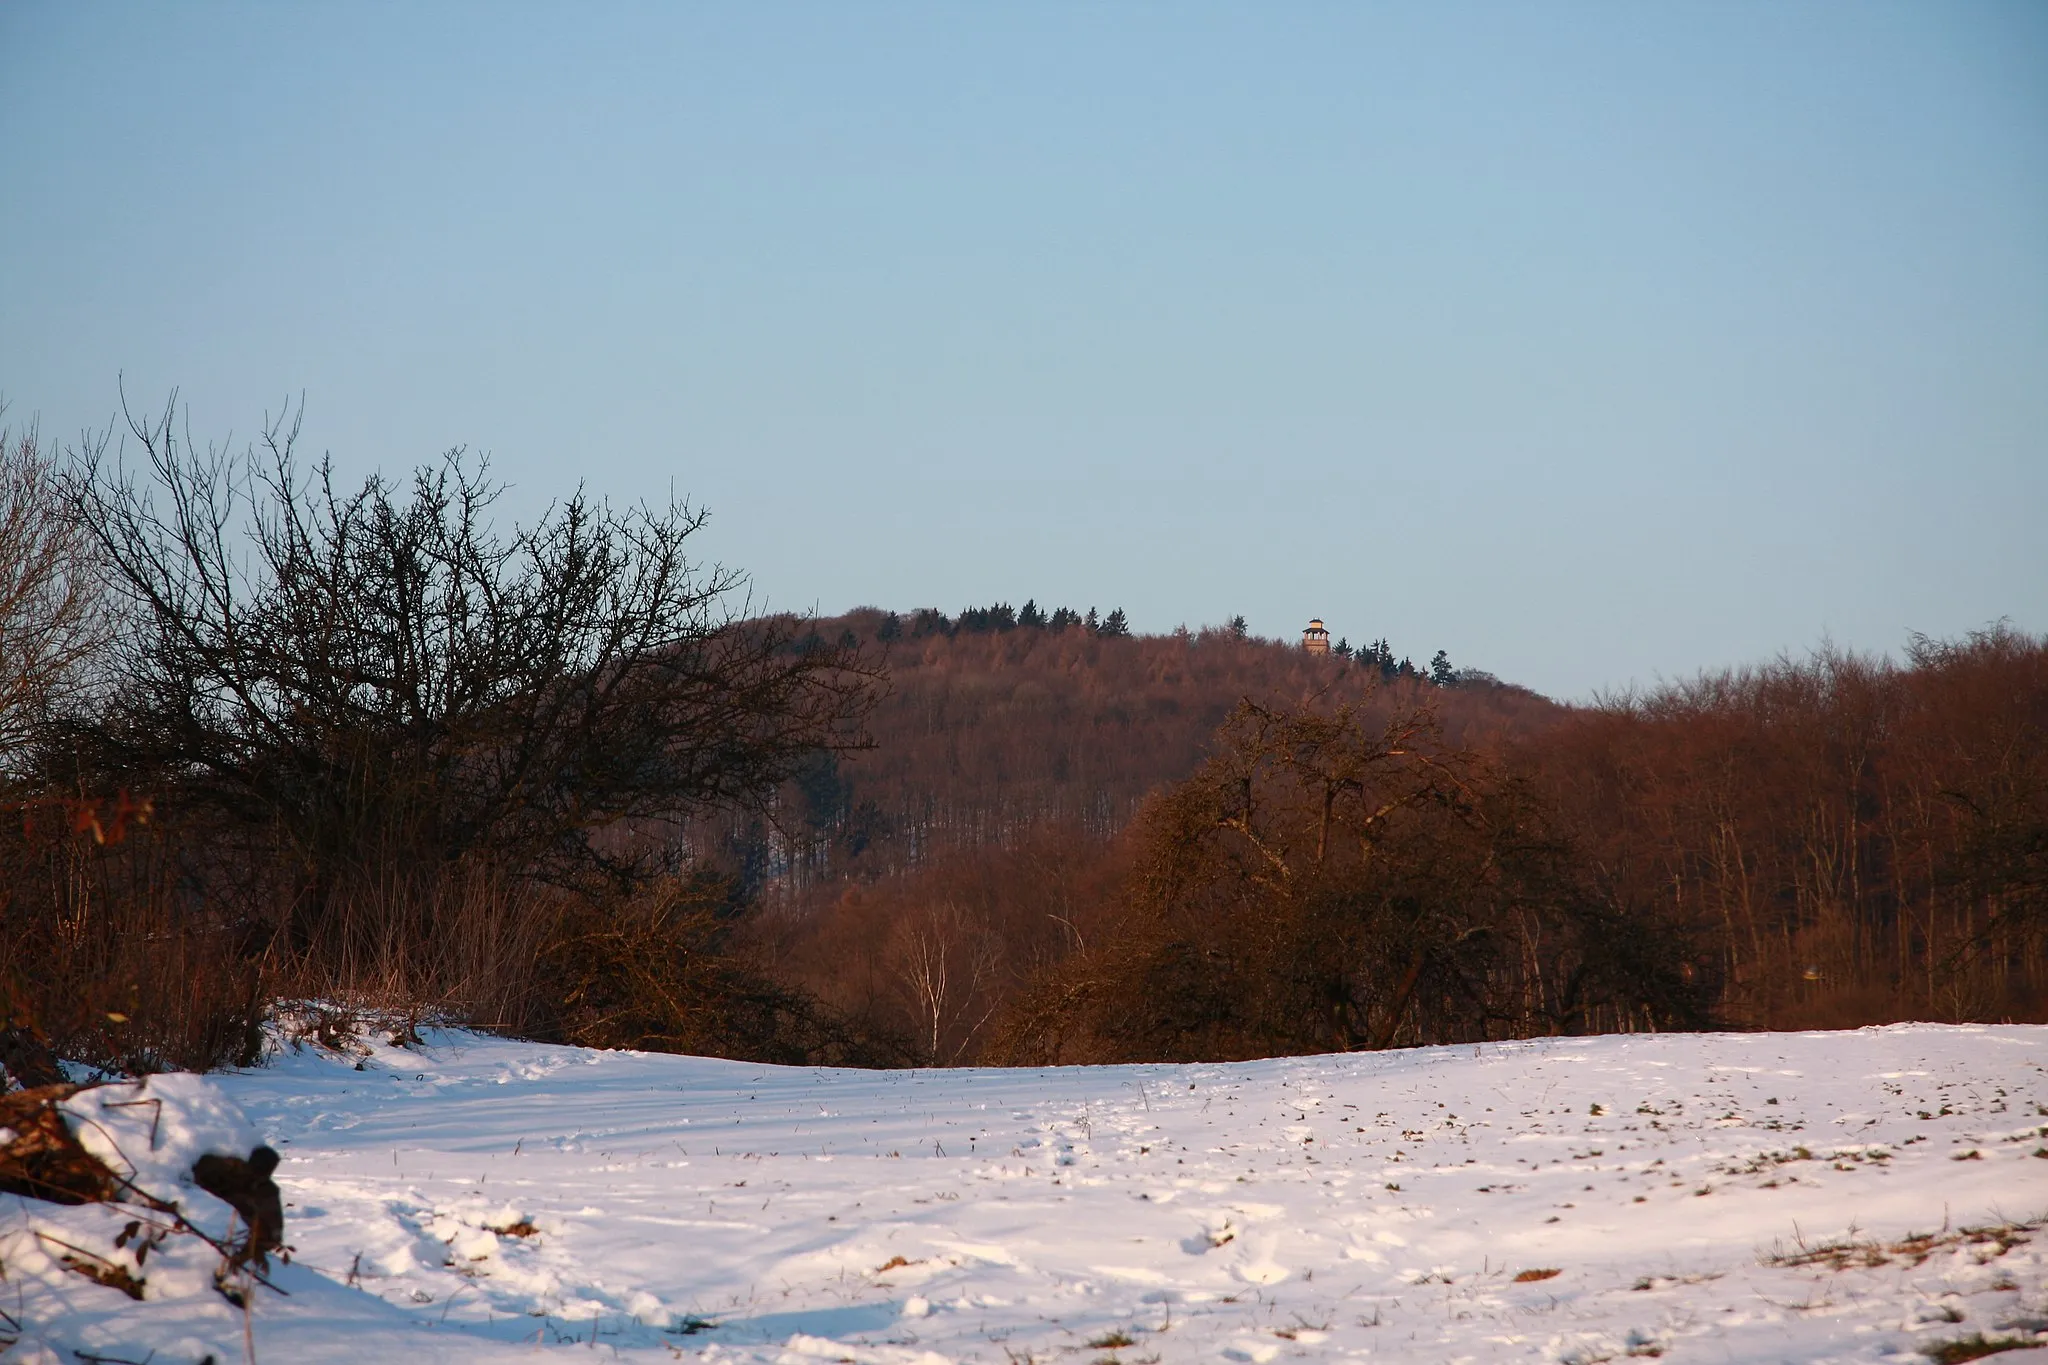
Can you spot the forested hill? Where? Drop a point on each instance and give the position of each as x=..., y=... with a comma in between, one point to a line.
x=1823, y=842
x=996, y=723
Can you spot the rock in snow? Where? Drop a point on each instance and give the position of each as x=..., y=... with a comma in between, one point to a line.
x=1867, y=1196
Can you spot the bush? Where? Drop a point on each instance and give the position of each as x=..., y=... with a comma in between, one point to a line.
x=1326, y=884
x=106, y=959
x=414, y=760
x=658, y=971
x=385, y=703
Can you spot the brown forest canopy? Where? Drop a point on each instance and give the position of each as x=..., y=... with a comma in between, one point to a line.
x=1831, y=841
x=1848, y=840
x=1340, y=879
x=985, y=735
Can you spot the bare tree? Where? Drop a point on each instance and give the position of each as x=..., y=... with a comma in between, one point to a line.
x=946, y=963
x=1332, y=880
x=391, y=683
x=51, y=605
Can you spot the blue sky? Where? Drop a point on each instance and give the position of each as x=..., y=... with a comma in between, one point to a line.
x=1593, y=343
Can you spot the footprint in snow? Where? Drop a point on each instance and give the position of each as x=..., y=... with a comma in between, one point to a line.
x=1258, y=1265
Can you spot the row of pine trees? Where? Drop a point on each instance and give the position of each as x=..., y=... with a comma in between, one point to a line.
x=1002, y=617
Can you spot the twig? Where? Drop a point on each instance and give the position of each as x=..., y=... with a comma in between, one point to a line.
x=154, y=1119
x=449, y=1302
x=179, y=1223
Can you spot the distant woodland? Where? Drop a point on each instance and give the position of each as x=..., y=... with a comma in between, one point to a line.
x=1821, y=842
x=267, y=737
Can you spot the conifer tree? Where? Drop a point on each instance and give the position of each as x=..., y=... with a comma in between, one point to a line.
x=1116, y=625
x=981, y=620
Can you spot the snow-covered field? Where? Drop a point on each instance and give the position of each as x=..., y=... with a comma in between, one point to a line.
x=1557, y=1200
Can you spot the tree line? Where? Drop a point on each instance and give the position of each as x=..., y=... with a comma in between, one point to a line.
x=1002, y=617
x=268, y=735
x=1833, y=841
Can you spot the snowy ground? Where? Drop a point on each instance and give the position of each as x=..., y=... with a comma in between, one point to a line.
x=1560, y=1200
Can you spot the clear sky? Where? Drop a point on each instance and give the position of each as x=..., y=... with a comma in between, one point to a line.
x=1593, y=343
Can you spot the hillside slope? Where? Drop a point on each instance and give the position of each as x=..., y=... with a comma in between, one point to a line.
x=982, y=736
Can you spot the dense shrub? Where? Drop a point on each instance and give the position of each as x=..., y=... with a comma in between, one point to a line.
x=1326, y=882
x=403, y=757
x=659, y=971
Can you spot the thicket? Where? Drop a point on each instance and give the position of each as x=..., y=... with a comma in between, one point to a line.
x=1330, y=881
x=385, y=751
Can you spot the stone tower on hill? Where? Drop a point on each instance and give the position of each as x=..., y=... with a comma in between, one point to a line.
x=1315, y=639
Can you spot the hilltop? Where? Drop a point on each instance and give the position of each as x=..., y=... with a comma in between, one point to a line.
x=988, y=733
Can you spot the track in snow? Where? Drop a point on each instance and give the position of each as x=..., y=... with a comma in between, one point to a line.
x=1394, y=1206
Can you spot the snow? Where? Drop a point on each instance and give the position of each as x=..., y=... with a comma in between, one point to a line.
x=479, y=1199
x=149, y=1132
